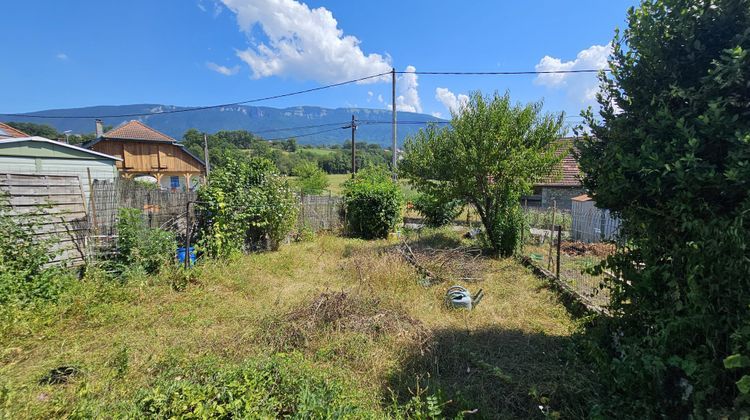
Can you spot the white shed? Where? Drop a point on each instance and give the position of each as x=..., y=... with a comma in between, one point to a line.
x=42, y=156
x=590, y=223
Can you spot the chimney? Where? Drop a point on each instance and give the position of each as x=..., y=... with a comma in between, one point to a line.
x=99, y=129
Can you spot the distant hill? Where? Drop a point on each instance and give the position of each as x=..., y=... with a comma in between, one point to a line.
x=251, y=118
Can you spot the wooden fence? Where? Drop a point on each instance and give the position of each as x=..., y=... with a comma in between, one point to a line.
x=83, y=229
x=54, y=206
x=161, y=209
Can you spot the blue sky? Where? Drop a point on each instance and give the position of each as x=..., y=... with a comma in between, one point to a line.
x=201, y=52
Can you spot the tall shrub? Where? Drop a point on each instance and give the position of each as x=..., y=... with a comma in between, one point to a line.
x=670, y=155
x=310, y=178
x=140, y=248
x=437, y=211
x=245, y=206
x=373, y=202
x=490, y=155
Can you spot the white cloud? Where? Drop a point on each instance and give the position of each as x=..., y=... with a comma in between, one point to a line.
x=581, y=86
x=217, y=7
x=369, y=96
x=437, y=114
x=302, y=43
x=380, y=98
x=226, y=71
x=453, y=102
x=61, y=56
x=408, y=98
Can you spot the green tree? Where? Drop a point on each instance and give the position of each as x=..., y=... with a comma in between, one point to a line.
x=222, y=148
x=489, y=157
x=32, y=129
x=310, y=178
x=670, y=156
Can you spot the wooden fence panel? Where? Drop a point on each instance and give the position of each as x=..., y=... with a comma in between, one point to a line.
x=53, y=205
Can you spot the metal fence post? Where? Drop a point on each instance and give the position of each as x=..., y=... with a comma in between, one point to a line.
x=559, y=248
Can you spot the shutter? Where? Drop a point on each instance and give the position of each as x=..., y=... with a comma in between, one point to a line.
x=128, y=156
x=153, y=151
x=163, y=159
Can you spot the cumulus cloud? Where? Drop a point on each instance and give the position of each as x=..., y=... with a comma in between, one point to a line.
x=301, y=42
x=226, y=71
x=61, y=56
x=408, y=97
x=582, y=87
x=452, y=102
x=437, y=114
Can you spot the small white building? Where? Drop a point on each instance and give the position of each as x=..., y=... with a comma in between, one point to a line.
x=42, y=156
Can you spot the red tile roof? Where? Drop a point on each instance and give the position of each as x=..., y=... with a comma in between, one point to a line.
x=136, y=130
x=8, y=132
x=566, y=173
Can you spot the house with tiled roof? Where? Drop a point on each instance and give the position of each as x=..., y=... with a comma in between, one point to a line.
x=148, y=153
x=560, y=186
x=8, y=132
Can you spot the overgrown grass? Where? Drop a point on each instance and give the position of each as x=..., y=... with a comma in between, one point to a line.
x=352, y=311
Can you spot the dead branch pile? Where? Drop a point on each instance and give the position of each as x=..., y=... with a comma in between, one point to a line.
x=598, y=249
x=342, y=311
x=439, y=265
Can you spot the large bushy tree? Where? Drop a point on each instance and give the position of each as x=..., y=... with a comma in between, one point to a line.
x=490, y=155
x=671, y=155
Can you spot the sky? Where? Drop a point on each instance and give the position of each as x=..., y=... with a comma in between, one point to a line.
x=201, y=52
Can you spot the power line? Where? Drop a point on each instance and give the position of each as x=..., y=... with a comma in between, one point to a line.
x=308, y=134
x=500, y=73
x=200, y=108
x=403, y=122
x=299, y=92
x=301, y=127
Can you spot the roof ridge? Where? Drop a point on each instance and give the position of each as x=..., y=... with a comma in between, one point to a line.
x=129, y=126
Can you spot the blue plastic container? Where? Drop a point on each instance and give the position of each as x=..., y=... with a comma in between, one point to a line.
x=181, y=255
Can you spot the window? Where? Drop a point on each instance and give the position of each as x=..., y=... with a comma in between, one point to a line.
x=174, y=182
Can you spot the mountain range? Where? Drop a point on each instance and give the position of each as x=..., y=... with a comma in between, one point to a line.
x=374, y=125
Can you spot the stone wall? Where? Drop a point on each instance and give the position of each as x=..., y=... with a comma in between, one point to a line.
x=561, y=195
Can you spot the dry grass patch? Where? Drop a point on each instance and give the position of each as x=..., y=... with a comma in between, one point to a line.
x=347, y=305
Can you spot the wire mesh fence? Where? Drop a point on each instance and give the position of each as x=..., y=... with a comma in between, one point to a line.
x=567, y=244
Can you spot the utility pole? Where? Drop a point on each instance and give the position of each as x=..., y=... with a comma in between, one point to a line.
x=393, y=124
x=205, y=153
x=354, y=147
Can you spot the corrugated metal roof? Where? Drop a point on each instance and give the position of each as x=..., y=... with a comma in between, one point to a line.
x=38, y=139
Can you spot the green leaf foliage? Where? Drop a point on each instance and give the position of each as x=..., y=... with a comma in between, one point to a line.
x=25, y=273
x=140, y=248
x=310, y=178
x=282, y=386
x=491, y=154
x=373, y=203
x=437, y=211
x=671, y=155
x=245, y=206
